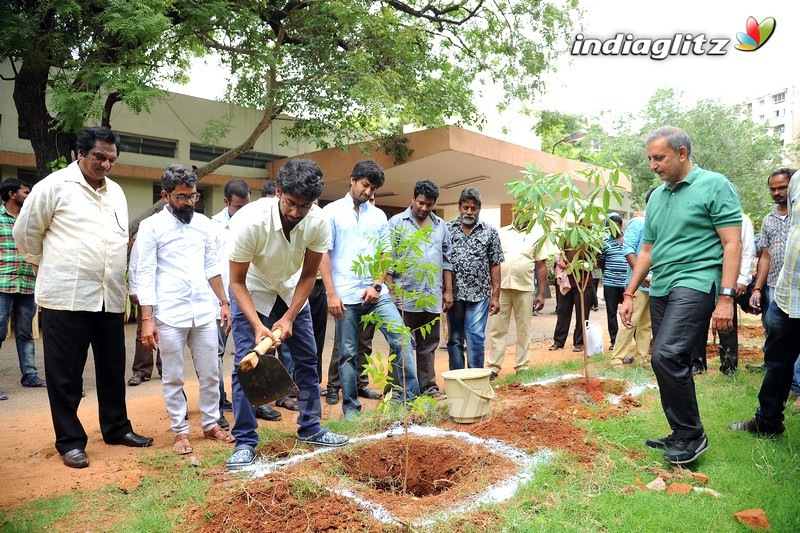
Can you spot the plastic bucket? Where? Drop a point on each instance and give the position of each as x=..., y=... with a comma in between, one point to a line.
x=468, y=393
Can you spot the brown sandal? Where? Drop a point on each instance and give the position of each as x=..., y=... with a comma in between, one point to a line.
x=218, y=434
x=182, y=445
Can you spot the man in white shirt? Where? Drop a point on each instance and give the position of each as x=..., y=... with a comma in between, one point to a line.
x=74, y=226
x=273, y=266
x=177, y=263
x=236, y=195
x=356, y=225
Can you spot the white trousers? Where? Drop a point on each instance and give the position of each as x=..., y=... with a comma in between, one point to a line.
x=520, y=305
x=203, y=343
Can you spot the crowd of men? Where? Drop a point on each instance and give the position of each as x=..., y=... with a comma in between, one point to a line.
x=275, y=267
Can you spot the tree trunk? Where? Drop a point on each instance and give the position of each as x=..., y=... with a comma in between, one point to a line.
x=48, y=142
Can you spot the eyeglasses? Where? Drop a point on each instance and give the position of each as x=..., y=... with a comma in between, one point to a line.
x=183, y=198
x=305, y=208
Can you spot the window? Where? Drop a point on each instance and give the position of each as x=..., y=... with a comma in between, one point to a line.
x=761, y=117
x=136, y=144
x=198, y=152
x=199, y=206
x=780, y=128
x=778, y=98
x=26, y=175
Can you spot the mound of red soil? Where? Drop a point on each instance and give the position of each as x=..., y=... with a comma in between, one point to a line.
x=542, y=416
x=283, y=502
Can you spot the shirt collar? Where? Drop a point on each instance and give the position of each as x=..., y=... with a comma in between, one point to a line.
x=409, y=215
x=75, y=175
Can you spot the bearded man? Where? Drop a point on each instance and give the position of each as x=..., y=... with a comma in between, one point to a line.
x=177, y=263
x=476, y=256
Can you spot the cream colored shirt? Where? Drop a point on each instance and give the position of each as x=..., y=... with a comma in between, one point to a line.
x=519, y=249
x=79, y=237
x=275, y=262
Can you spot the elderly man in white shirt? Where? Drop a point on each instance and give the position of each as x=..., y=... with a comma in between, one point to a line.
x=177, y=263
x=74, y=226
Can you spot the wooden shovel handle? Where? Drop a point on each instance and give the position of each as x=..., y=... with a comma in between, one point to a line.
x=250, y=360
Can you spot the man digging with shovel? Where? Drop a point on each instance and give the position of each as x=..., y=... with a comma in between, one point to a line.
x=274, y=262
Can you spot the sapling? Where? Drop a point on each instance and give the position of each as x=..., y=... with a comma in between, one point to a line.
x=572, y=215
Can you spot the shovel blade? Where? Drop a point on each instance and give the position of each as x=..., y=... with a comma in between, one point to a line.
x=267, y=382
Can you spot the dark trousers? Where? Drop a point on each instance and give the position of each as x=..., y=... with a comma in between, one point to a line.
x=142, y=357
x=564, y=307
x=66, y=337
x=318, y=300
x=780, y=354
x=364, y=348
x=613, y=297
x=425, y=347
x=304, y=372
x=678, y=320
x=728, y=346
x=594, y=288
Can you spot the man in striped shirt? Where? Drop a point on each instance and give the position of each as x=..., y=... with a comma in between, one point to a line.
x=17, y=280
x=782, y=321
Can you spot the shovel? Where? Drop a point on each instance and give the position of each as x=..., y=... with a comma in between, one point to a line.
x=262, y=376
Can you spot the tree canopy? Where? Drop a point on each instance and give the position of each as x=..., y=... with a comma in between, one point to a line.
x=347, y=70
x=723, y=138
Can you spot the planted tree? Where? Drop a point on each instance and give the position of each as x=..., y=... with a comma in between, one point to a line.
x=724, y=139
x=572, y=213
x=403, y=254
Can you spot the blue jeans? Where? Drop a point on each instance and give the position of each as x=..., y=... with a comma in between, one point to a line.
x=467, y=323
x=303, y=350
x=780, y=355
x=349, y=327
x=23, y=307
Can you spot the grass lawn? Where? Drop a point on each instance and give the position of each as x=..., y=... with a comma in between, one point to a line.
x=564, y=495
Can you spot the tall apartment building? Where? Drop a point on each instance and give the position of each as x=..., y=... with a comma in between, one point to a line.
x=780, y=109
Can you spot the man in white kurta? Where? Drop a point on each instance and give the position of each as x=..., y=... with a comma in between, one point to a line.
x=177, y=263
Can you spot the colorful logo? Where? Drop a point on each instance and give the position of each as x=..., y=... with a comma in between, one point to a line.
x=757, y=34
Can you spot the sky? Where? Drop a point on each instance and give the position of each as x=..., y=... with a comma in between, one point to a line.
x=589, y=85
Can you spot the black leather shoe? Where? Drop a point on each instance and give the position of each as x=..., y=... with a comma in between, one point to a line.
x=369, y=394
x=137, y=379
x=75, y=458
x=133, y=440
x=332, y=398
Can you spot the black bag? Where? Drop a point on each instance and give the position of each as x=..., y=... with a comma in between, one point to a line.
x=744, y=299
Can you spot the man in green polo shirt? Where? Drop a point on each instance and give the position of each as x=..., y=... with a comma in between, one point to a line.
x=692, y=243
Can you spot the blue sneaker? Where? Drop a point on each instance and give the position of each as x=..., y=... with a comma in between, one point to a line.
x=242, y=456
x=326, y=438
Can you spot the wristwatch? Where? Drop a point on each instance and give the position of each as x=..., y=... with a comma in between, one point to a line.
x=378, y=287
x=727, y=291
